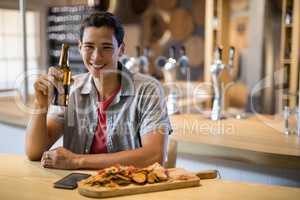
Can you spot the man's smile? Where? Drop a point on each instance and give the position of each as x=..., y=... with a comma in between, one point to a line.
x=97, y=67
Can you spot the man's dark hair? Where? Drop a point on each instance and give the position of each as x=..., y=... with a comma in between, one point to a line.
x=100, y=19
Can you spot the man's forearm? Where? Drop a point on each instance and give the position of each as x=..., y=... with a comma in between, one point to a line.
x=36, y=136
x=141, y=157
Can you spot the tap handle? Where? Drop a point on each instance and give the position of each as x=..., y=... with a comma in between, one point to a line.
x=138, y=51
x=160, y=61
x=286, y=112
x=182, y=51
x=218, y=53
x=286, y=115
x=146, y=51
x=231, y=55
x=172, y=52
x=298, y=120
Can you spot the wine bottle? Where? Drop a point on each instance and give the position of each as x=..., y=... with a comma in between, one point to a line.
x=62, y=99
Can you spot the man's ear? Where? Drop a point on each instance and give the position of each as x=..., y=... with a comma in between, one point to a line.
x=79, y=45
x=122, y=49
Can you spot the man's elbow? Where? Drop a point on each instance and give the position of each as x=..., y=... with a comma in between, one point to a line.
x=33, y=156
x=160, y=158
x=157, y=156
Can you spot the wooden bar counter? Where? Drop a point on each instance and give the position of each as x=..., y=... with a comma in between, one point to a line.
x=22, y=179
x=257, y=139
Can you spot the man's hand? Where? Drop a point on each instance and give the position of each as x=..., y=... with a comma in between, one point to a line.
x=59, y=158
x=45, y=84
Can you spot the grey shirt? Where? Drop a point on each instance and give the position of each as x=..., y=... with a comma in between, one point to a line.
x=138, y=109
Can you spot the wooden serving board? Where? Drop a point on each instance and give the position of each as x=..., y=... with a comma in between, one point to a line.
x=175, y=182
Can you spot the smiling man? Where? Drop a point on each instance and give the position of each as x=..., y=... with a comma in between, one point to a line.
x=113, y=116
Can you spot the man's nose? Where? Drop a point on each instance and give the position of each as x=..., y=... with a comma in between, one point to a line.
x=97, y=54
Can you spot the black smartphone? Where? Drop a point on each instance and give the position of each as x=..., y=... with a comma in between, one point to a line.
x=70, y=181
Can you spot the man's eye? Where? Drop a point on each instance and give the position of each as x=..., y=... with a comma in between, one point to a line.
x=107, y=48
x=88, y=47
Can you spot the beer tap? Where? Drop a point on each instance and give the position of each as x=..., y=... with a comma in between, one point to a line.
x=169, y=70
x=171, y=62
x=132, y=63
x=166, y=64
x=144, y=61
x=216, y=69
x=287, y=113
x=298, y=116
x=231, y=60
x=124, y=59
x=160, y=62
x=286, y=116
x=183, y=61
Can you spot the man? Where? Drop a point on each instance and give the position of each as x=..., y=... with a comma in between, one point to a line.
x=113, y=116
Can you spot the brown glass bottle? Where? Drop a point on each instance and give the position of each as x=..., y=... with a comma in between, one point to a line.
x=63, y=98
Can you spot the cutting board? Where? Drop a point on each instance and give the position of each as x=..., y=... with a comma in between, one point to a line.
x=179, y=178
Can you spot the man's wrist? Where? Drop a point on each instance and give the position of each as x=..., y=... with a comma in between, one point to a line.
x=39, y=108
x=78, y=162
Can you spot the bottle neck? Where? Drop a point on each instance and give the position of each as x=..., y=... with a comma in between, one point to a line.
x=64, y=56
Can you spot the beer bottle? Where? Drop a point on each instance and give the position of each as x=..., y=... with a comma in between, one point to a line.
x=62, y=99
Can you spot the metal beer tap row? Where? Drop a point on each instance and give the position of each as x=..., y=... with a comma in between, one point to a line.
x=168, y=65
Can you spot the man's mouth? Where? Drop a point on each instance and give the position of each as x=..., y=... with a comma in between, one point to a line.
x=98, y=66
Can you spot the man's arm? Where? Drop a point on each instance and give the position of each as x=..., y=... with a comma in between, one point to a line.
x=153, y=149
x=41, y=132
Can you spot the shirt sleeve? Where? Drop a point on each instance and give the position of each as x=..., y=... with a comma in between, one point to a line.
x=152, y=109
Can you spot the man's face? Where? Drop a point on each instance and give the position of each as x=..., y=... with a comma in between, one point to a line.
x=99, y=50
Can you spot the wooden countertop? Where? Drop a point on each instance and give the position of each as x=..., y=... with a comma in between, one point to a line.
x=22, y=179
x=237, y=138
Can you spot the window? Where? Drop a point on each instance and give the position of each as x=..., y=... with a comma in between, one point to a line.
x=11, y=45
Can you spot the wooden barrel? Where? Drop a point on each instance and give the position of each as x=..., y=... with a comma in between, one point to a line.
x=129, y=11
x=198, y=11
x=239, y=5
x=154, y=26
x=239, y=32
x=195, y=50
x=181, y=24
x=165, y=4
